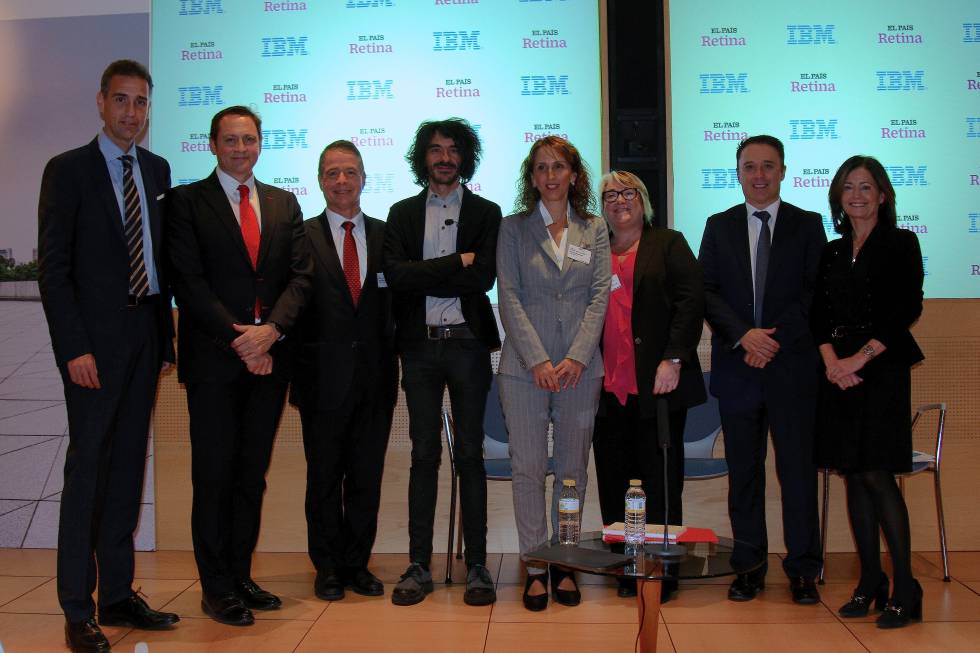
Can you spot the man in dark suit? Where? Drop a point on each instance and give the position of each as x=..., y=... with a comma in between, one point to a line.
x=105, y=298
x=345, y=380
x=240, y=275
x=760, y=263
x=439, y=259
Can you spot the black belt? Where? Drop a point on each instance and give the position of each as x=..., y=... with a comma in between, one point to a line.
x=132, y=301
x=845, y=330
x=452, y=332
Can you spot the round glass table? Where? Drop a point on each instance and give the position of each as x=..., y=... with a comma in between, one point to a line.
x=592, y=555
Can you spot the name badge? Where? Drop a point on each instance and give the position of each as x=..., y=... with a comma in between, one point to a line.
x=579, y=254
x=381, y=280
x=616, y=284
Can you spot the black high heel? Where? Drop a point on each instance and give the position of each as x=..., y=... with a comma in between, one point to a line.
x=565, y=597
x=860, y=604
x=538, y=602
x=896, y=615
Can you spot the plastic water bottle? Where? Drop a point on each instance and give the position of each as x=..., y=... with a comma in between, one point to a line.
x=636, y=517
x=569, y=511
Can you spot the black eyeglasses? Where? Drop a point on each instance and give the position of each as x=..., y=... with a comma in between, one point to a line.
x=610, y=196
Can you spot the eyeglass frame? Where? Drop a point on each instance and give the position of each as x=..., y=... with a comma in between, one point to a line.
x=635, y=191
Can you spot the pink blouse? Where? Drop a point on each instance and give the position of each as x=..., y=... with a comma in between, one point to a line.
x=617, y=334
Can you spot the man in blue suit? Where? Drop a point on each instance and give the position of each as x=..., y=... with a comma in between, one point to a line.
x=760, y=262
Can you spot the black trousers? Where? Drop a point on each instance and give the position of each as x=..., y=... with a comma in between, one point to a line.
x=232, y=429
x=100, y=500
x=746, y=417
x=625, y=447
x=427, y=370
x=345, y=455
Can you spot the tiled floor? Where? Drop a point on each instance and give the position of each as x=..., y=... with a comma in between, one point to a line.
x=33, y=434
x=699, y=620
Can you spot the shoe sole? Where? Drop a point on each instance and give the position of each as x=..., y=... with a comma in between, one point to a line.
x=427, y=589
x=362, y=592
x=98, y=650
x=806, y=601
x=126, y=623
x=329, y=597
x=226, y=622
x=489, y=600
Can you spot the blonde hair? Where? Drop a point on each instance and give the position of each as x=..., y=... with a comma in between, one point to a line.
x=629, y=180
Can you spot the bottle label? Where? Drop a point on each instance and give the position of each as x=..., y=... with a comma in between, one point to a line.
x=636, y=504
x=568, y=505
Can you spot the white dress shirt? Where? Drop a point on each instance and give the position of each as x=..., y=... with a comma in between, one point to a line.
x=562, y=245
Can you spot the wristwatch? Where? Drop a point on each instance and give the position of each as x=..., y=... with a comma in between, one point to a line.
x=869, y=351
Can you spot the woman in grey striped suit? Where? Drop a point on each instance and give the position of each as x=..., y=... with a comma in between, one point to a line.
x=553, y=286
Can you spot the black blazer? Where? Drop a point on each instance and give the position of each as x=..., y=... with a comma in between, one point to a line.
x=333, y=337
x=413, y=279
x=890, y=268
x=214, y=283
x=797, y=241
x=83, y=261
x=667, y=316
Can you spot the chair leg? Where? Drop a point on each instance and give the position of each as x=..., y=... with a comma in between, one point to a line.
x=941, y=518
x=452, y=528
x=459, y=534
x=825, y=517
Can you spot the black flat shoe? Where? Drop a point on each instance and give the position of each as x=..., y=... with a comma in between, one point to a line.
x=745, y=587
x=538, y=602
x=860, y=604
x=365, y=583
x=896, y=615
x=227, y=609
x=327, y=586
x=804, y=591
x=254, y=597
x=135, y=613
x=565, y=597
x=85, y=637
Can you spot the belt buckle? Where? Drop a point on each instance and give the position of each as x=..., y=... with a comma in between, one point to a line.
x=132, y=301
x=838, y=332
x=434, y=333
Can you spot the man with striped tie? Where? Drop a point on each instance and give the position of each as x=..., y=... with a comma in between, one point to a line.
x=105, y=296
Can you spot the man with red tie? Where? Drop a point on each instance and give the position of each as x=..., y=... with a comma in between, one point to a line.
x=345, y=380
x=240, y=277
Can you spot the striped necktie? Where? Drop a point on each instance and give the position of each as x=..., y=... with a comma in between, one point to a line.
x=139, y=284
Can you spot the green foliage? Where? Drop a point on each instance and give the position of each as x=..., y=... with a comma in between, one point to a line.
x=22, y=272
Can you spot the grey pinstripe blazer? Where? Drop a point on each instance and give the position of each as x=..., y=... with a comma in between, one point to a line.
x=550, y=313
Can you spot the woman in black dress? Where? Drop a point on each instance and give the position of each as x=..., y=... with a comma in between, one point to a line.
x=868, y=295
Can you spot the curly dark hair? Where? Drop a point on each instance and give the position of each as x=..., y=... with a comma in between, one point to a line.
x=579, y=195
x=463, y=135
x=886, y=212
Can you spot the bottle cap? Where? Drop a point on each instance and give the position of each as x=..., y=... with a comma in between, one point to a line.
x=568, y=482
x=635, y=482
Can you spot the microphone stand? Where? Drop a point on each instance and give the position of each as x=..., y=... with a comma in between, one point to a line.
x=668, y=550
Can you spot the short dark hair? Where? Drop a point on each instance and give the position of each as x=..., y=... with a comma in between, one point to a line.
x=886, y=212
x=463, y=135
x=124, y=68
x=344, y=145
x=236, y=110
x=579, y=195
x=761, y=139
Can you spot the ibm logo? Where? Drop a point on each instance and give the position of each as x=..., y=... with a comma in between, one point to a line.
x=971, y=32
x=907, y=175
x=973, y=127
x=900, y=80
x=813, y=130
x=285, y=46
x=712, y=83
x=544, y=85
x=925, y=266
x=828, y=224
x=974, y=219
x=810, y=35
x=368, y=4
x=455, y=41
x=714, y=178
x=364, y=89
x=199, y=96
x=199, y=7
x=383, y=183
x=184, y=182
x=284, y=139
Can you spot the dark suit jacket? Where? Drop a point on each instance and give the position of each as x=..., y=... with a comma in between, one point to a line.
x=667, y=317
x=797, y=241
x=333, y=337
x=413, y=279
x=83, y=260
x=215, y=285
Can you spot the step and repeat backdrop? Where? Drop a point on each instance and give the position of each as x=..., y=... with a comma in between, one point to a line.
x=370, y=71
x=897, y=80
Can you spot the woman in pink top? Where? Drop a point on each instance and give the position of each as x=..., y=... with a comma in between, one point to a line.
x=649, y=345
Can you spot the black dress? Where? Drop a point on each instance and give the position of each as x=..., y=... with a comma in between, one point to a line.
x=878, y=295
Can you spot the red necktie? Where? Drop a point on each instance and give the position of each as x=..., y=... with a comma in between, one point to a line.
x=250, y=234
x=352, y=267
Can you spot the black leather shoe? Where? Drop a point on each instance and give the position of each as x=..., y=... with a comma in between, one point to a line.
x=85, y=637
x=227, y=609
x=328, y=585
x=479, y=586
x=627, y=588
x=804, y=590
x=565, y=597
x=745, y=587
x=254, y=597
x=365, y=583
x=860, y=603
x=896, y=615
x=135, y=613
x=538, y=602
